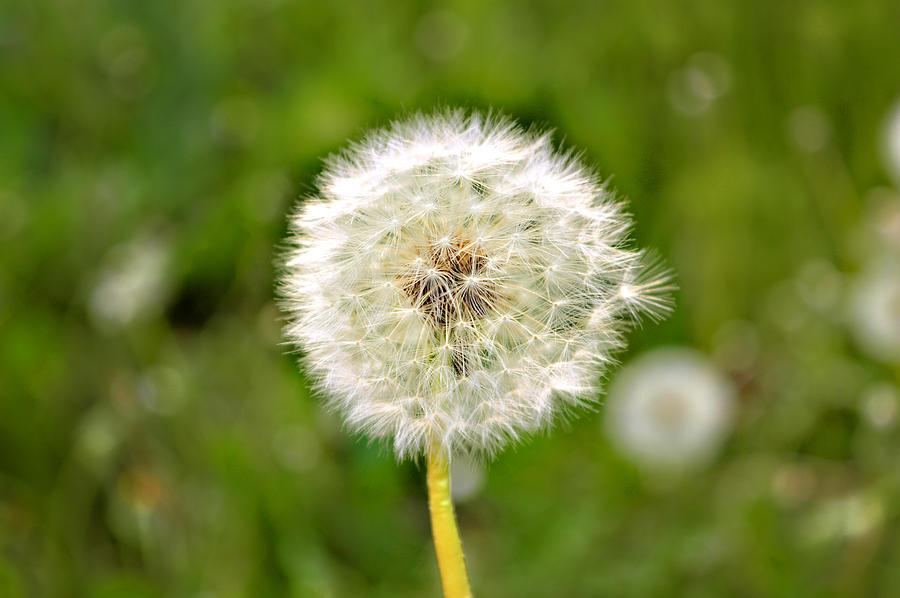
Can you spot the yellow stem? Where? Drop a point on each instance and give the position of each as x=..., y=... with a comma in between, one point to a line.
x=443, y=525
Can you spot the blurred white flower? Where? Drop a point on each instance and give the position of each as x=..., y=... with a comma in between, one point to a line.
x=458, y=283
x=875, y=310
x=669, y=408
x=131, y=282
x=891, y=144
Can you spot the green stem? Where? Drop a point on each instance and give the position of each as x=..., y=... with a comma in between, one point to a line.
x=443, y=525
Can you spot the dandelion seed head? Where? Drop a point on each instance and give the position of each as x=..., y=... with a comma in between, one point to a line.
x=875, y=310
x=669, y=409
x=456, y=283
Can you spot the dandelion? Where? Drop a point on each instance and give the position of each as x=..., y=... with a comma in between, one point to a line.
x=457, y=284
x=669, y=409
x=875, y=311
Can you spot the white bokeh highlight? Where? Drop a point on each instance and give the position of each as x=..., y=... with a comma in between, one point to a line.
x=875, y=309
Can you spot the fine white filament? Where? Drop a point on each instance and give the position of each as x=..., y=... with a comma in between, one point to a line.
x=457, y=283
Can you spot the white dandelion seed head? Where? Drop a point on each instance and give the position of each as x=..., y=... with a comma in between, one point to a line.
x=456, y=283
x=669, y=408
x=875, y=310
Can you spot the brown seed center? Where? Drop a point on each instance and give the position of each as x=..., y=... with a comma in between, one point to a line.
x=450, y=281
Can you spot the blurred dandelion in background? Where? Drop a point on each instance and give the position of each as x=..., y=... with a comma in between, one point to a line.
x=875, y=310
x=132, y=283
x=669, y=408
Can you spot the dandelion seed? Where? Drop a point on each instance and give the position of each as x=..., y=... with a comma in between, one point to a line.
x=461, y=259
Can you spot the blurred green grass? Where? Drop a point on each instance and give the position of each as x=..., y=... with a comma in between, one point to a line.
x=155, y=440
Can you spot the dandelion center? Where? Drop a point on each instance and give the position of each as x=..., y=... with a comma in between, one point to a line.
x=451, y=283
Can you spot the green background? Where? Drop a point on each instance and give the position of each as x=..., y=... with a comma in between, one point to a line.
x=170, y=447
